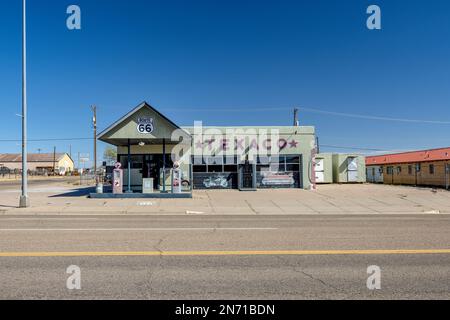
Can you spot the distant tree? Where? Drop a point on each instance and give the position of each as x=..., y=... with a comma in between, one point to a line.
x=110, y=155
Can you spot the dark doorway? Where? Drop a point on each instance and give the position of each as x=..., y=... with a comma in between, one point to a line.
x=247, y=173
x=153, y=163
x=247, y=176
x=151, y=168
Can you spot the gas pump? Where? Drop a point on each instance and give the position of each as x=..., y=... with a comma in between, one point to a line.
x=118, y=179
x=176, y=178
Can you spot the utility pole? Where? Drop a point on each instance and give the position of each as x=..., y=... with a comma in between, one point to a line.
x=317, y=145
x=54, y=161
x=296, y=122
x=24, y=200
x=79, y=166
x=94, y=122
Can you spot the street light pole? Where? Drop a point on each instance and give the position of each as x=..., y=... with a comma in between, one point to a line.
x=94, y=123
x=24, y=201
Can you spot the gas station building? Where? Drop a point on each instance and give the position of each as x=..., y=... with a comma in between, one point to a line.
x=157, y=158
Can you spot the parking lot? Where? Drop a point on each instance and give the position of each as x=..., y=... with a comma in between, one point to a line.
x=65, y=197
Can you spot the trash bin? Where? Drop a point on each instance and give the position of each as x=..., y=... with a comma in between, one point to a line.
x=99, y=188
x=147, y=185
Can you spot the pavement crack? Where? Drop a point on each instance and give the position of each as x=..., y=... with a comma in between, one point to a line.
x=308, y=206
x=417, y=204
x=251, y=208
x=210, y=202
x=316, y=279
x=157, y=246
x=276, y=205
x=297, y=269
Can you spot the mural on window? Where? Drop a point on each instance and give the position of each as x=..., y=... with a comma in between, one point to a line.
x=216, y=181
x=273, y=179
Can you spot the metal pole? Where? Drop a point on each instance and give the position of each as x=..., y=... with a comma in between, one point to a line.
x=54, y=161
x=79, y=167
x=296, y=122
x=24, y=201
x=94, y=122
x=129, y=167
x=164, y=167
x=317, y=145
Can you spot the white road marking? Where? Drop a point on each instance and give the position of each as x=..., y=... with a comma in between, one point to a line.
x=139, y=229
x=47, y=219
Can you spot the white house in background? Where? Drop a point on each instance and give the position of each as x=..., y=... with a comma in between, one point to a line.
x=42, y=162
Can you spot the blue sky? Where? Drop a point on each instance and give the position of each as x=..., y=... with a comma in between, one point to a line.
x=199, y=60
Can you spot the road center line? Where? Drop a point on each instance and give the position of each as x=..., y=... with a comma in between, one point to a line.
x=225, y=253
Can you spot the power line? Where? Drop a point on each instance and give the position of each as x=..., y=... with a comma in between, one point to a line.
x=371, y=150
x=43, y=140
x=312, y=110
x=369, y=117
x=305, y=109
x=351, y=148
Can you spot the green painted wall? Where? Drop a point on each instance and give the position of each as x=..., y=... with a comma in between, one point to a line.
x=327, y=167
x=300, y=141
x=340, y=165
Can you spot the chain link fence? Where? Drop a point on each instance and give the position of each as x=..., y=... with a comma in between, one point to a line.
x=6, y=173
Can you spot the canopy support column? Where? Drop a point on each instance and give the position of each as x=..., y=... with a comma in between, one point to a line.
x=164, y=166
x=129, y=168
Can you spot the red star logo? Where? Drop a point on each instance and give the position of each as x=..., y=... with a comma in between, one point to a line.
x=293, y=144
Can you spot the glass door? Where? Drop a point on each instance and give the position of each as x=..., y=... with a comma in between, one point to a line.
x=151, y=169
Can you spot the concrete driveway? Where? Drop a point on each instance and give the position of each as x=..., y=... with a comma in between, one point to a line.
x=63, y=197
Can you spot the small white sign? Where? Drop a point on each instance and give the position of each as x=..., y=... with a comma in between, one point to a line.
x=145, y=125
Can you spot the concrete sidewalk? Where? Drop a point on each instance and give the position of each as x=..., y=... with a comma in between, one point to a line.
x=61, y=199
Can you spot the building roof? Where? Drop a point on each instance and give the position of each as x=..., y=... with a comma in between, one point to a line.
x=32, y=157
x=123, y=131
x=139, y=107
x=410, y=157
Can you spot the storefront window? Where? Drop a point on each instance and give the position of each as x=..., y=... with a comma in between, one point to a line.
x=215, y=168
x=292, y=167
x=230, y=168
x=136, y=161
x=230, y=160
x=199, y=168
x=293, y=159
x=214, y=160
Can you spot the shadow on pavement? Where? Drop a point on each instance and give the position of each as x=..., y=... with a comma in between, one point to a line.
x=80, y=192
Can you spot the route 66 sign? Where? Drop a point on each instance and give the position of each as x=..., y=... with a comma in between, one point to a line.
x=145, y=125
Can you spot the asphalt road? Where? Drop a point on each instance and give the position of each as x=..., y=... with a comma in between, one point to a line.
x=41, y=181
x=225, y=257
